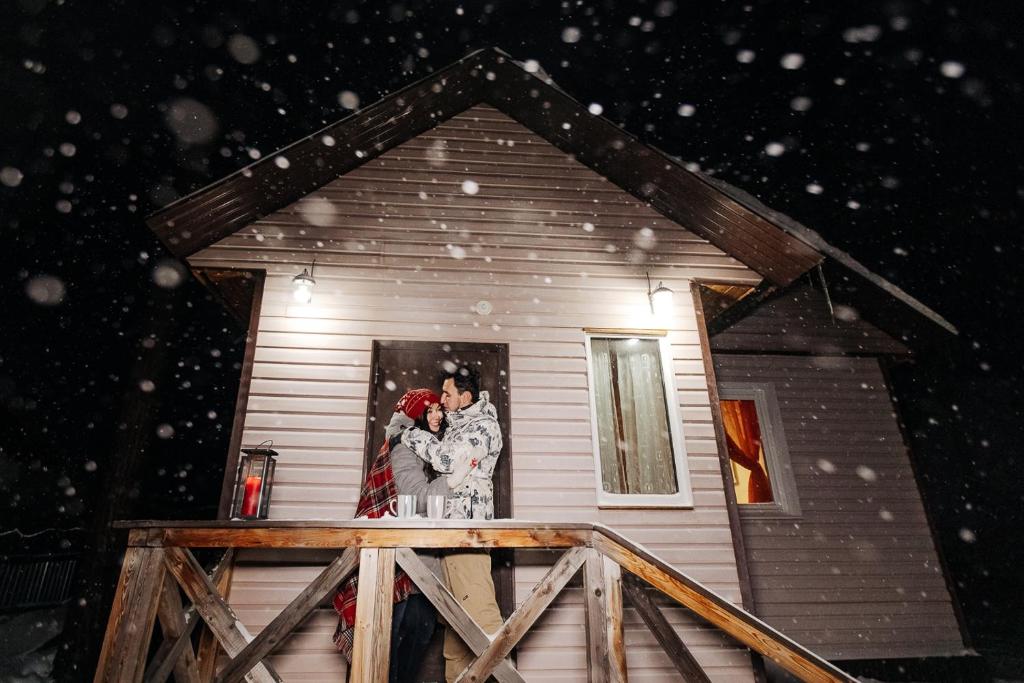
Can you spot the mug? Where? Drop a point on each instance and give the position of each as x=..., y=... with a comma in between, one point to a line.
x=406, y=507
x=435, y=507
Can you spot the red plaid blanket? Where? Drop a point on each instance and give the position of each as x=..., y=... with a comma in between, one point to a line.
x=377, y=496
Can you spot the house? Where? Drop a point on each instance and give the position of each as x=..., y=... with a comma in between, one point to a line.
x=743, y=432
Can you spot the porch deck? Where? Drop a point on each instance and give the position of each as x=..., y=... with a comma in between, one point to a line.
x=611, y=565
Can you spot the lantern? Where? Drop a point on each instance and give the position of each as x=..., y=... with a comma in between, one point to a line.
x=254, y=483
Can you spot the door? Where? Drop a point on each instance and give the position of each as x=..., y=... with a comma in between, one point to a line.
x=396, y=367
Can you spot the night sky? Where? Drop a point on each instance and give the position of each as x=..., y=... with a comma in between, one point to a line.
x=892, y=128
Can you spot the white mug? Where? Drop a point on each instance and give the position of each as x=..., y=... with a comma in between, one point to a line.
x=435, y=507
x=406, y=506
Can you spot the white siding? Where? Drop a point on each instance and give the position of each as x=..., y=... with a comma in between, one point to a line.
x=856, y=576
x=385, y=271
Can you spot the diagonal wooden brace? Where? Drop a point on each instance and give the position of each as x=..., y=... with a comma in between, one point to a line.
x=166, y=658
x=516, y=626
x=175, y=652
x=297, y=611
x=449, y=607
x=218, y=616
x=673, y=645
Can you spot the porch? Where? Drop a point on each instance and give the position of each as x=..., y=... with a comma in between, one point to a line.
x=612, y=567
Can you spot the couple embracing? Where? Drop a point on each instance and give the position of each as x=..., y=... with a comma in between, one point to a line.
x=446, y=445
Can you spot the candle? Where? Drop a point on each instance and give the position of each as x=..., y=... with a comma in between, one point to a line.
x=251, y=497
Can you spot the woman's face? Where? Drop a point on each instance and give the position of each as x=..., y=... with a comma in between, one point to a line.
x=434, y=416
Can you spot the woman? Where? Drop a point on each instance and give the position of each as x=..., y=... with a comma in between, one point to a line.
x=396, y=470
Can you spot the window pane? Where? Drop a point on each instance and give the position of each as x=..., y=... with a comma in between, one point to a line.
x=632, y=417
x=746, y=452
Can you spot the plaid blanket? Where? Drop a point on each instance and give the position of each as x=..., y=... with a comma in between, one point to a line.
x=377, y=497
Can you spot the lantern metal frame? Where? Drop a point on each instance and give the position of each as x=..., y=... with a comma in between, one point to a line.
x=254, y=478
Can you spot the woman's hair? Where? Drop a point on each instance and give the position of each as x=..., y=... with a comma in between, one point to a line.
x=422, y=424
x=439, y=434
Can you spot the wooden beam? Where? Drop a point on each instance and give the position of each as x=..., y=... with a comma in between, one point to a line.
x=739, y=548
x=606, y=662
x=130, y=625
x=242, y=537
x=451, y=609
x=166, y=657
x=163, y=661
x=743, y=626
x=179, y=656
x=252, y=322
x=516, y=626
x=208, y=648
x=218, y=616
x=673, y=646
x=371, y=648
x=386, y=523
x=297, y=611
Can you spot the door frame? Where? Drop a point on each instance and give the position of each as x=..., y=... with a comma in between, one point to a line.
x=504, y=586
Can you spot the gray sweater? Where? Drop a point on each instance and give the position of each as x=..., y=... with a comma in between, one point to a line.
x=411, y=480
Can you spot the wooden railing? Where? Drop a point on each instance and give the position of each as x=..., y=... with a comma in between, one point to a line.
x=612, y=566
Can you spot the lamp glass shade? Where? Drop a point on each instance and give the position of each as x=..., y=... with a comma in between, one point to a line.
x=661, y=301
x=254, y=483
x=302, y=285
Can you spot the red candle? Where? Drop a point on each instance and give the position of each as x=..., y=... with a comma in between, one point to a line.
x=251, y=498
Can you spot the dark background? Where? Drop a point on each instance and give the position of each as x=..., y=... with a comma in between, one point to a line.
x=910, y=128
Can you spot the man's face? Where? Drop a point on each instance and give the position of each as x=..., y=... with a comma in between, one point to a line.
x=451, y=398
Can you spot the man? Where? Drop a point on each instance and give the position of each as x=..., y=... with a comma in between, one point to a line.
x=473, y=436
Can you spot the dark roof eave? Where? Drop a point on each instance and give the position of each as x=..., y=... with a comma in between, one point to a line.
x=816, y=241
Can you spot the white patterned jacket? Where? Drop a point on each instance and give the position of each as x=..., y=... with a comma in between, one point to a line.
x=473, y=434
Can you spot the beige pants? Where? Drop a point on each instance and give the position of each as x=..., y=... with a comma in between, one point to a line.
x=468, y=575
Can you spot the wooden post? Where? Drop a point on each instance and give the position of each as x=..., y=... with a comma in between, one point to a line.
x=130, y=625
x=525, y=616
x=218, y=616
x=371, y=649
x=601, y=637
x=614, y=630
x=671, y=643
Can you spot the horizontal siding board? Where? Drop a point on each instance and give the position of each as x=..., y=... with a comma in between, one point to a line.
x=861, y=552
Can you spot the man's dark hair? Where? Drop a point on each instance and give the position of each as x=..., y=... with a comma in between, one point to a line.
x=466, y=378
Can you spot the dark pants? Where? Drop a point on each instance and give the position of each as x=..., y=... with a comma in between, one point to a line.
x=412, y=626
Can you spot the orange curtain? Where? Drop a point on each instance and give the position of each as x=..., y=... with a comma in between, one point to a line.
x=743, y=439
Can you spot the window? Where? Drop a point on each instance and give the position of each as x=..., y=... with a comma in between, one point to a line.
x=638, y=445
x=758, y=456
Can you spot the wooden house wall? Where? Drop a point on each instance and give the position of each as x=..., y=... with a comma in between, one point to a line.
x=799, y=321
x=856, y=575
x=403, y=252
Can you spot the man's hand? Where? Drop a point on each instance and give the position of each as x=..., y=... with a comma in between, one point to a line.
x=459, y=473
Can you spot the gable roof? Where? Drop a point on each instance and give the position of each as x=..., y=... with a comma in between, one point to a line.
x=777, y=248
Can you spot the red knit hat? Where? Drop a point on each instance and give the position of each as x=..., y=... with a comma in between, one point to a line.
x=416, y=401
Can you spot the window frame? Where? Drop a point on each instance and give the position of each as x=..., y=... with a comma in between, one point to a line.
x=786, y=501
x=683, y=497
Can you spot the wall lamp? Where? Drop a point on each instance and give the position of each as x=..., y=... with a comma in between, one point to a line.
x=660, y=298
x=303, y=285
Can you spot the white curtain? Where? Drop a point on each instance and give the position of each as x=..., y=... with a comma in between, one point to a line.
x=632, y=417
